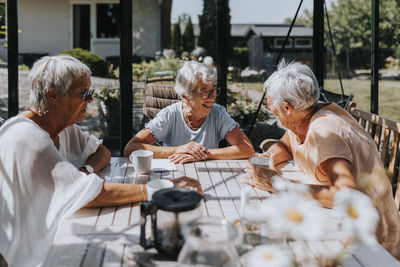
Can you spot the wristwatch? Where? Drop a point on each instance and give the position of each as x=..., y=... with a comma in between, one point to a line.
x=88, y=168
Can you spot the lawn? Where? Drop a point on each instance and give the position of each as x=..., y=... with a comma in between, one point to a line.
x=389, y=94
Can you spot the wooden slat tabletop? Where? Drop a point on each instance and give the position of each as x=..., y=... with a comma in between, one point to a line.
x=110, y=236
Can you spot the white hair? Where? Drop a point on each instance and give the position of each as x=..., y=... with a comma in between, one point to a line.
x=190, y=75
x=53, y=72
x=294, y=83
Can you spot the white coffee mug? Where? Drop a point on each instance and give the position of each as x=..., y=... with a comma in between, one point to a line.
x=141, y=160
x=155, y=185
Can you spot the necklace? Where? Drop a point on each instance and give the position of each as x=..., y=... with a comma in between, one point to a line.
x=190, y=125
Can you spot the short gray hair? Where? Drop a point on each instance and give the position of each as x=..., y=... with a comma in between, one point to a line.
x=190, y=75
x=53, y=72
x=294, y=83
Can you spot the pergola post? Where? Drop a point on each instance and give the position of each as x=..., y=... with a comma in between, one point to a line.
x=12, y=57
x=318, y=41
x=374, y=56
x=222, y=43
x=125, y=75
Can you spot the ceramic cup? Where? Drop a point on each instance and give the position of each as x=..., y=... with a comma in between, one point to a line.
x=141, y=160
x=155, y=185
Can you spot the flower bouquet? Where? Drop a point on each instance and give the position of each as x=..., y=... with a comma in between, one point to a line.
x=292, y=216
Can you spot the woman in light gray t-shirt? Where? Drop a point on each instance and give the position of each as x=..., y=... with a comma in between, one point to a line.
x=191, y=129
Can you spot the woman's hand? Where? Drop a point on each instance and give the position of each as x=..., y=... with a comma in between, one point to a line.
x=196, y=150
x=182, y=158
x=260, y=176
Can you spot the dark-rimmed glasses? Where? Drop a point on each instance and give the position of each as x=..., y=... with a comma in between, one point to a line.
x=206, y=94
x=87, y=95
x=265, y=103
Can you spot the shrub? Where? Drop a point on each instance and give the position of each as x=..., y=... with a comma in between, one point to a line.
x=158, y=68
x=242, y=108
x=97, y=65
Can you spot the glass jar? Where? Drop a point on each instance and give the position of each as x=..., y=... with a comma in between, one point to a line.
x=209, y=241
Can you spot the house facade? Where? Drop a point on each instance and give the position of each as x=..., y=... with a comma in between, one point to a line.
x=51, y=26
x=264, y=42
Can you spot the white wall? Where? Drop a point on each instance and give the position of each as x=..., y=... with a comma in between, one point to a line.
x=46, y=27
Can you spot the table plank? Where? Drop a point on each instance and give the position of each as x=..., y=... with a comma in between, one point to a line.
x=211, y=199
x=228, y=209
x=232, y=185
x=122, y=215
x=370, y=256
x=114, y=254
x=191, y=171
x=82, y=221
x=67, y=250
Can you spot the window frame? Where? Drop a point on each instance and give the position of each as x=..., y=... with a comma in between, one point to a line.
x=96, y=26
x=302, y=46
x=289, y=44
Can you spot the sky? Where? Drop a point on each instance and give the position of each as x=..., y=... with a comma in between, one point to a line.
x=246, y=11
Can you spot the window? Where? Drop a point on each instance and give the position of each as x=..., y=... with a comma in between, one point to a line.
x=108, y=21
x=302, y=43
x=278, y=42
x=3, y=28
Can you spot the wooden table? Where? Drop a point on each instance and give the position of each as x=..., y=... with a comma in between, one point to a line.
x=110, y=236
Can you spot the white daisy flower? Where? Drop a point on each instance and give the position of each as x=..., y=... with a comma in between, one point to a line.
x=295, y=216
x=283, y=185
x=268, y=255
x=359, y=216
x=208, y=60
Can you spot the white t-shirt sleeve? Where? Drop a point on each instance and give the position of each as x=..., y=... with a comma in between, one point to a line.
x=78, y=145
x=225, y=123
x=161, y=124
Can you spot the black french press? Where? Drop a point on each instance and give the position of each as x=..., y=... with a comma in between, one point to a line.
x=169, y=209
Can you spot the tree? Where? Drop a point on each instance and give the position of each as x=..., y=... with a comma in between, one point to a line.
x=351, y=26
x=188, y=37
x=176, y=38
x=208, y=29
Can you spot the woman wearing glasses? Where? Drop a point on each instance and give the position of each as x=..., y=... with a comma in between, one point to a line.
x=48, y=165
x=191, y=129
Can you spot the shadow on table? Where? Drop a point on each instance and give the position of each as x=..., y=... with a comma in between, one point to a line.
x=151, y=258
x=235, y=170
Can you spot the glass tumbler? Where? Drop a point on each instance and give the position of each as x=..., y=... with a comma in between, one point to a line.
x=209, y=241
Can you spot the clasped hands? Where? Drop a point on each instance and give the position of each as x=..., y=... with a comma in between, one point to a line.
x=189, y=152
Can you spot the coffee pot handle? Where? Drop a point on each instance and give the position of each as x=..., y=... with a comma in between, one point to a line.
x=147, y=208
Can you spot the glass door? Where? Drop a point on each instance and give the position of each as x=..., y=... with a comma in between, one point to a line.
x=81, y=26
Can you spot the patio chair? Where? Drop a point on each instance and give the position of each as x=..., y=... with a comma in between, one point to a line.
x=158, y=94
x=385, y=133
x=340, y=99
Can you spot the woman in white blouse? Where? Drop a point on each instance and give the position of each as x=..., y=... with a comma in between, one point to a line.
x=48, y=165
x=191, y=129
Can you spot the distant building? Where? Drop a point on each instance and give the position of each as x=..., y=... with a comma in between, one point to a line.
x=51, y=26
x=264, y=42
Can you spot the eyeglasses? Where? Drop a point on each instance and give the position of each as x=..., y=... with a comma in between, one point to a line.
x=265, y=103
x=87, y=95
x=206, y=94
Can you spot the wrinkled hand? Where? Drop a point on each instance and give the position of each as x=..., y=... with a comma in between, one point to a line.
x=182, y=158
x=188, y=182
x=273, y=163
x=198, y=151
x=260, y=176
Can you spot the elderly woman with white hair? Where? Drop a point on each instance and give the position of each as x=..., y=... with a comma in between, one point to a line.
x=191, y=129
x=327, y=144
x=48, y=165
